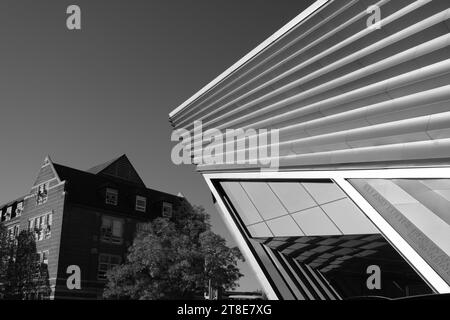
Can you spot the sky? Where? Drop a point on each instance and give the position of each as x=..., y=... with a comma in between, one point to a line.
x=86, y=96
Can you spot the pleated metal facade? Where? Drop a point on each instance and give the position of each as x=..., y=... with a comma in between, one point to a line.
x=363, y=181
x=342, y=93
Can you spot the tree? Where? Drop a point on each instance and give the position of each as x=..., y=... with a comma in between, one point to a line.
x=175, y=259
x=5, y=246
x=27, y=278
x=43, y=282
x=220, y=261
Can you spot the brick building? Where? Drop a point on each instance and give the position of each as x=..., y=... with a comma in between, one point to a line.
x=85, y=218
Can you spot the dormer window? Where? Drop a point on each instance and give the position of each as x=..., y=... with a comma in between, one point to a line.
x=42, y=194
x=141, y=203
x=112, y=196
x=19, y=209
x=8, y=213
x=167, y=210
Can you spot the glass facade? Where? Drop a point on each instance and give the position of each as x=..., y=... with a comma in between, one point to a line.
x=319, y=241
x=419, y=210
x=283, y=209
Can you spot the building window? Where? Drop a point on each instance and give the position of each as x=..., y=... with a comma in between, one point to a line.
x=13, y=231
x=112, y=196
x=423, y=204
x=8, y=213
x=42, y=257
x=41, y=226
x=106, y=262
x=141, y=203
x=19, y=209
x=45, y=257
x=42, y=194
x=167, y=210
x=111, y=230
x=143, y=227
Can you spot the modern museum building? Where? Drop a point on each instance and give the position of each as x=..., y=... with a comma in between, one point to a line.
x=338, y=183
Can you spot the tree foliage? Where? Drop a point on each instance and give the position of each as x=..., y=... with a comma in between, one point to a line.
x=175, y=259
x=25, y=276
x=4, y=257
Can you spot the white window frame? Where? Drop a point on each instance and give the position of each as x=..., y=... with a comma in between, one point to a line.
x=11, y=231
x=45, y=232
x=167, y=205
x=8, y=213
x=20, y=209
x=341, y=177
x=41, y=199
x=115, y=199
x=141, y=208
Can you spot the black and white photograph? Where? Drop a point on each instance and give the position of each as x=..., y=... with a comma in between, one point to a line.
x=225, y=158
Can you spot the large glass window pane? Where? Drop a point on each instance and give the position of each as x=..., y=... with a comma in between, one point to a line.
x=324, y=192
x=340, y=267
x=242, y=202
x=314, y=222
x=326, y=245
x=284, y=227
x=427, y=196
x=418, y=210
x=117, y=228
x=267, y=203
x=260, y=230
x=348, y=218
x=293, y=196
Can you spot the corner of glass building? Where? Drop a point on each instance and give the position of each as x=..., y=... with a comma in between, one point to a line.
x=357, y=205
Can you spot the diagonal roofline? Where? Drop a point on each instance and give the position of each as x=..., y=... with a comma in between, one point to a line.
x=286, y=28
x=100, y=167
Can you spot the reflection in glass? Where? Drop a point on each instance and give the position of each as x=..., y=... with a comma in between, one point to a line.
x=348, y=218
x=339, y=267
x=292, y=209
x=265, y=201
x=322, y=243
x=293, y=196
x=324, y=192
x=242, y=202
x=315, y=222
x=419, y=210
x=260, y=230
x=284, y=227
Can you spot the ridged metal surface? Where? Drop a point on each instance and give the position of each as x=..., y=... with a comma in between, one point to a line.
x=343, y=93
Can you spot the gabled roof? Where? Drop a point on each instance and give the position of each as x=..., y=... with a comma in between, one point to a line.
x=46, y=172
x=120, y=167
x=85, y=188
x=99, y=168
